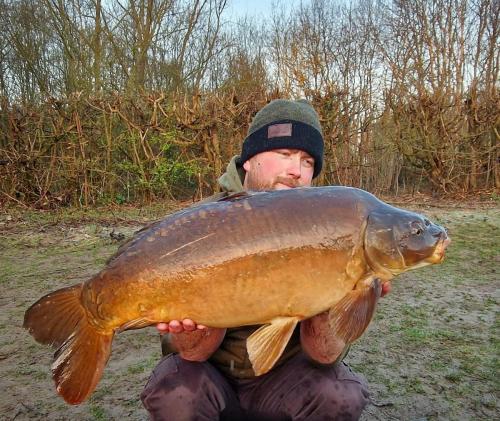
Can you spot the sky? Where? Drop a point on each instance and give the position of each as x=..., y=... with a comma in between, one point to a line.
x=256, y=8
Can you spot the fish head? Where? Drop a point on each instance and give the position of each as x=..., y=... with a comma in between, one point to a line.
x=399, y=240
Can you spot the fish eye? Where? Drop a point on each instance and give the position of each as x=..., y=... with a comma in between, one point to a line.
x=416, y=229
x=427, y=222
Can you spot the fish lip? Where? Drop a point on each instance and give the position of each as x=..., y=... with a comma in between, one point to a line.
x=440, y=251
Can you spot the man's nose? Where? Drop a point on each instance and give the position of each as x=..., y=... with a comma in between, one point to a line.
x=294, y=169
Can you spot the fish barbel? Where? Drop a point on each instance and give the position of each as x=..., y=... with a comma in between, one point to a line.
x=269, y=258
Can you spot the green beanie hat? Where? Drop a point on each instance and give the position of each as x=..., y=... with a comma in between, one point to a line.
x=285, y=124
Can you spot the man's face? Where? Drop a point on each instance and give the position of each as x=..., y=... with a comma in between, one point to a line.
x=279, y=169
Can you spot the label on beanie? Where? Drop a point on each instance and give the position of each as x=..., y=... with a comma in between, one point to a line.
x=279, y=130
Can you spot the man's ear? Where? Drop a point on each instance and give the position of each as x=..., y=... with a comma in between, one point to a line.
x=246, y=165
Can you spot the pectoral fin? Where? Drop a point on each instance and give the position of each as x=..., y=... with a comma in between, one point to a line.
x=267, y=343
x=350, y=317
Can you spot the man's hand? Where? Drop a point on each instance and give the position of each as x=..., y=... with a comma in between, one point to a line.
x=176, y=326
x=386, y=288
x=193, y=342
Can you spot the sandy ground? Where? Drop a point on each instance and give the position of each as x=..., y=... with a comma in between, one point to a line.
x=431, y=353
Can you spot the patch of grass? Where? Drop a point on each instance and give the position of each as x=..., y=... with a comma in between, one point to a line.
x=143, y=366
x=100, y=392
x=97, y=412
x=133, y=402
x=489, y=400
x=415, y=334
x=32, y=372
x=475, y=246
x=9, y=269
x=391, y=385
x=415, y=386
x=20, y=241
x=454, y=376
x=447, y=336
x=111, y=214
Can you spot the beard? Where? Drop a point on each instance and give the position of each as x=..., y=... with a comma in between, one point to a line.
x=257, y=184
x=290, y=182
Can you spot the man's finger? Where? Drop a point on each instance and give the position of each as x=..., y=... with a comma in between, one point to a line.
x=175, y=326
x=386, y=288
x=188, y=325
x=162, y=327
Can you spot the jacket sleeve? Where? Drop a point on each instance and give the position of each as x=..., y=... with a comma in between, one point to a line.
x=319, y=342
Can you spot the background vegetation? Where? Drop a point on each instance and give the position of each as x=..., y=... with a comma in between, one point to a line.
x=113, y=102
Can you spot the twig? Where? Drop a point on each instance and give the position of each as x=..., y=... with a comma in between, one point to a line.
x=15, y=200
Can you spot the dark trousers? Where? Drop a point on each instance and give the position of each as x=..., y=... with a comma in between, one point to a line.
x=296, y=390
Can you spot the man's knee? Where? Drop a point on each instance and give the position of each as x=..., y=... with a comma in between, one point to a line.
x=344, y=394
x=179, y=389
x=330, y=394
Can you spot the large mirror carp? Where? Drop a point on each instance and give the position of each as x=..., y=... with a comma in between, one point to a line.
x=270, y=258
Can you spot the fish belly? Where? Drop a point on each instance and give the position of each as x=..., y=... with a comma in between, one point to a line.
x=251, y=290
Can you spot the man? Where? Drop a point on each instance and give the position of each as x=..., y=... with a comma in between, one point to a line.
x=206, y=373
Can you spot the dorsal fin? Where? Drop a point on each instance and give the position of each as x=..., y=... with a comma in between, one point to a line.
x=238, y=196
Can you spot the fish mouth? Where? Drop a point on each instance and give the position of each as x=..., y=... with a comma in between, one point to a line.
x=439, y=252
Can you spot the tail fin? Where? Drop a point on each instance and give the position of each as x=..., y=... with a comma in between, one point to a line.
x=59, y=319
x=54, y=317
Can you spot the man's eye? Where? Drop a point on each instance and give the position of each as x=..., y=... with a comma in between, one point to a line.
x=308, y=163
x=284, y=153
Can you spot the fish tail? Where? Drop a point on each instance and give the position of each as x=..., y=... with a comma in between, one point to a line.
x=60, y=320
x=54, y=317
